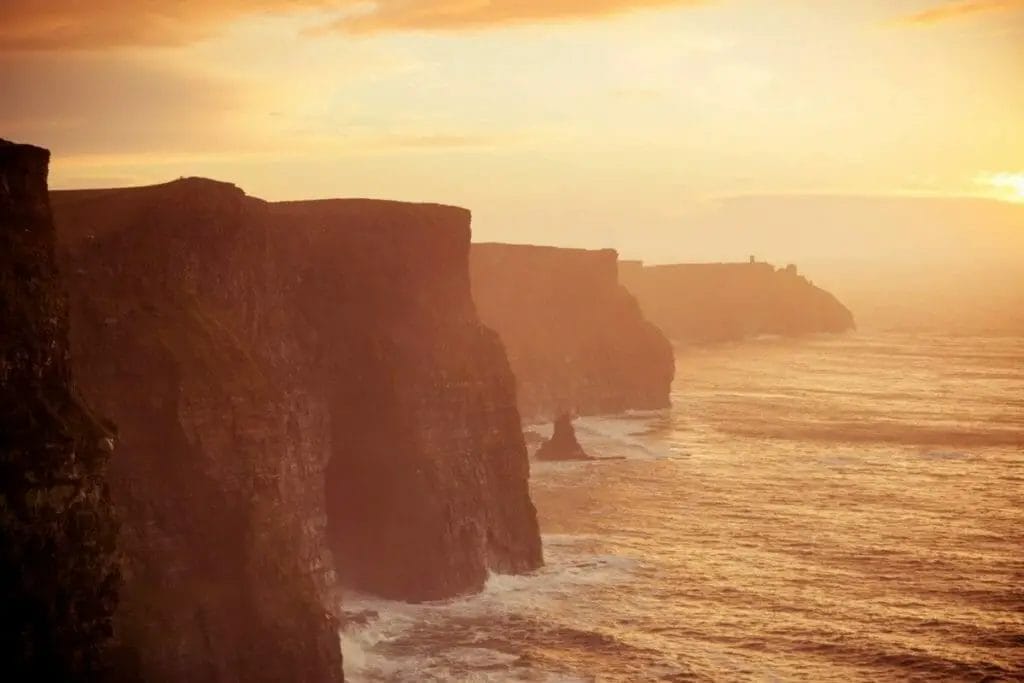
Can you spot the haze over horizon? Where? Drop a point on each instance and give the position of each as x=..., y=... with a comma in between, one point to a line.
x=672, y=130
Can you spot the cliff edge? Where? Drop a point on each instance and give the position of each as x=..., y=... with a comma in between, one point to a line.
x=58, y=567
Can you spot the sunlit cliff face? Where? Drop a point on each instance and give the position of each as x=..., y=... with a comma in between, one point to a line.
x=570, y=122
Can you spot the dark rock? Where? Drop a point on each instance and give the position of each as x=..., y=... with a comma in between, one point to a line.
x=303, y=388
x=58, y=565
x=563, y=444
x=716, y=302
x=427, y=488
x=225, y=563
x=575, y=338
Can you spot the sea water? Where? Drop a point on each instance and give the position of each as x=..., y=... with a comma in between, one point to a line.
x=844, y=508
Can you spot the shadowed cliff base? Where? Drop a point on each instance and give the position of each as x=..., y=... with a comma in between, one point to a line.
x=716, y=302
x=317, y=395
x=576, y=339
x=58, y=570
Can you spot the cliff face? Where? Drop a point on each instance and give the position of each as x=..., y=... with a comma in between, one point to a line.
x=58, y=570
x=290, y=380
x=713, y=302
x=427, y=488
x=576, y=339
x=219, y=476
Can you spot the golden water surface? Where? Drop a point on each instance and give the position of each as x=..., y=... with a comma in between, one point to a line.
x=835, y=509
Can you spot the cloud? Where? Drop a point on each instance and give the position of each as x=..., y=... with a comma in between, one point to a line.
x=100, y=24
x=97, y=24
x=454, y=15
x=956, y=10
x=100, y=103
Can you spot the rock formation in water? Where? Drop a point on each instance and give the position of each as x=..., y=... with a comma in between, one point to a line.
x=563, y=444
x=576, y=339
x=58, y=568
x=714, y=302
x=301, y=388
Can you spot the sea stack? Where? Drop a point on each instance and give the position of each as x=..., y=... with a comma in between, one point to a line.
x=563, y=444
x=58, y=571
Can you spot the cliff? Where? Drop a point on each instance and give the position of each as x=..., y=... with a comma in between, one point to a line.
x=714, y=302
x=301, y=389
x=575, y=338
x=428, y=482
x=215, y=478
x=58, y=569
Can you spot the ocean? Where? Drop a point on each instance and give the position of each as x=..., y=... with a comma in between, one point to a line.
x=846, y=508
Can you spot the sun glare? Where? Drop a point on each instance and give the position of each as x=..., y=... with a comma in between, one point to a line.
x=1010, y=185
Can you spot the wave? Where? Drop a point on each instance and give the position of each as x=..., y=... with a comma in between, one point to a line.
x=481, y=637
x=868, y=431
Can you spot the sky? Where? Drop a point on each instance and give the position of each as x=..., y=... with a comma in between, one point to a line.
x=805, y=131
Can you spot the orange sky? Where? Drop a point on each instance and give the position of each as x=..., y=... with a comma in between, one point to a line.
x=647, y=125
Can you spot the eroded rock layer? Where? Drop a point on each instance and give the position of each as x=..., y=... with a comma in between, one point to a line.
x=575, y=338
x=290, y=379
x=714, y=302
x=58, y=568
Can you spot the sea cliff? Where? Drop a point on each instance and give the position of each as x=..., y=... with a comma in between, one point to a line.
x=303, y=391
x=58, y=564
x=576, y=339
x=715, y=302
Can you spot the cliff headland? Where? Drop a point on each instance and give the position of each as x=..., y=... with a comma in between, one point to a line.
x=716, y=302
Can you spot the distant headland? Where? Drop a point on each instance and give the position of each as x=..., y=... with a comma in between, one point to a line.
x=716, y=302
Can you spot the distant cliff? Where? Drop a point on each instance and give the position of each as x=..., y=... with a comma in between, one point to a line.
x=302, y=389
x=58, y=569
x=713, y=302
x=576, y=339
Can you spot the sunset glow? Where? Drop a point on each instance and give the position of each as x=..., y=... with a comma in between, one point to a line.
x=511, y=340
x=613, y=123
x=1011, y=185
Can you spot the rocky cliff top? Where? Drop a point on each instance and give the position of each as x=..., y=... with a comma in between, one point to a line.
x=23, y=170
x=119, y=207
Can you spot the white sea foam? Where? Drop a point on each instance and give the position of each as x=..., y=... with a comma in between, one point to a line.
x=373, y=650
x=623, y=436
